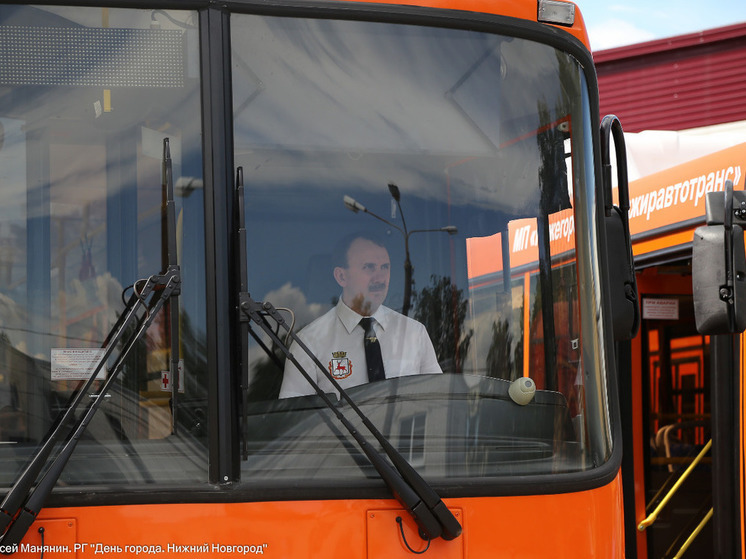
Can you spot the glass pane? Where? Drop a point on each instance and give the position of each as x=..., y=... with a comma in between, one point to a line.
x=84, y=109
x=424, y=177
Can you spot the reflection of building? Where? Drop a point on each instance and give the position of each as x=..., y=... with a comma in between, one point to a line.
x=503, y=276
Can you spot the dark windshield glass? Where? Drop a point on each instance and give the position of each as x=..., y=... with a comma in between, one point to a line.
x=446, y=161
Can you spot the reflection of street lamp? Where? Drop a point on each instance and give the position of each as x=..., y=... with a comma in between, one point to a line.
x=355, y=206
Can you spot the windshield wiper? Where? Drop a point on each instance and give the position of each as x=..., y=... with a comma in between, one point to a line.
x=19, y=509
x=421, y=501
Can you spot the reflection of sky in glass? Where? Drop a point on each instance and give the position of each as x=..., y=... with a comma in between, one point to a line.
x=329, y=86
x=310, y=85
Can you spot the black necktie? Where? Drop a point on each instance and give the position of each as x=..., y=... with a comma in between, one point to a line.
x=372, y=351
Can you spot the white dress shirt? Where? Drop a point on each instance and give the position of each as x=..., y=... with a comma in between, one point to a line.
x=336, y=338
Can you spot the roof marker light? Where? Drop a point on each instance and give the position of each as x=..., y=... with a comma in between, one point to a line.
x=553, y=11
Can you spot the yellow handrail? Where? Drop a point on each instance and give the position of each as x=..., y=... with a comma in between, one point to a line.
x=694, y=534
x=652, y=517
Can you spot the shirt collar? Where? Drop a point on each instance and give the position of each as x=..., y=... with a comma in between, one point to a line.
x=350, y=318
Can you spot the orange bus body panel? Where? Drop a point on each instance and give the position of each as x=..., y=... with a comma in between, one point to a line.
x=511, y=8
x=663, y=199
x=577, y=525
x=678, y=194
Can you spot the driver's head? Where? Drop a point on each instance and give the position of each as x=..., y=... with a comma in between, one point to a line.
x=362, y=269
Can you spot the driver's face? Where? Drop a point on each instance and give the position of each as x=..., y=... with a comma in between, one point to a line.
x=365, y=280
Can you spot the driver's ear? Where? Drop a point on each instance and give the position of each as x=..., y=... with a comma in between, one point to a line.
x=340, y=275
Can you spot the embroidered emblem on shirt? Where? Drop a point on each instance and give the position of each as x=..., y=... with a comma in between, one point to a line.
x=340, y=366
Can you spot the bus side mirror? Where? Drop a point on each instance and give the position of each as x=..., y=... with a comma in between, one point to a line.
x=625, y=310
x=719, y=265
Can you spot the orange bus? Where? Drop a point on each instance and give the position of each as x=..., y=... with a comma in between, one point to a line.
x=683, y=403
x=174, y=179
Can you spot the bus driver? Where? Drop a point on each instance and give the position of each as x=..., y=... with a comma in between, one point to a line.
x=360, y=340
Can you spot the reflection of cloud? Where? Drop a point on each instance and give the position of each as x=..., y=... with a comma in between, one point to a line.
x=291, y=297
x=102, y=291
x=616, y=33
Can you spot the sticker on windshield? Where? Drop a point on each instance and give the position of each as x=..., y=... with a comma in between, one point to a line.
x=76, y=363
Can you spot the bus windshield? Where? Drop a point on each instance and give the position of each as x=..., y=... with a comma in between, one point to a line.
x=419, y=207
x=426, y=178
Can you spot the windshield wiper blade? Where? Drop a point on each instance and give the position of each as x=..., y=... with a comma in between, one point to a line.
x=171, y=264
x=24, y=501
x=425, y=506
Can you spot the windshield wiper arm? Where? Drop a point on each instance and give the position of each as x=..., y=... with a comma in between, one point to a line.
x=19, y=509
x=424, y=505
x=428, y=510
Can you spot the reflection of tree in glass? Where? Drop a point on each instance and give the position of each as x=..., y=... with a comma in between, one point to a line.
x=441, y=307
x=266, y=377
x=499, y=356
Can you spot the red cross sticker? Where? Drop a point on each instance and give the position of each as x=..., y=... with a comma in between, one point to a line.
x=166, y=378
